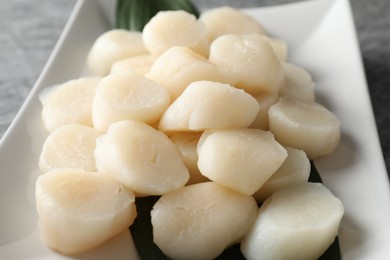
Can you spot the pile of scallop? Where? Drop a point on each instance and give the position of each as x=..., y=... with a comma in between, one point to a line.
x=209, y=114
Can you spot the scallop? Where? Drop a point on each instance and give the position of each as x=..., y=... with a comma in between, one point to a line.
x=240, y=159
x=140, y=158
x=140, y=64
x=199, y=221
x=70, y=146
x=207, y=104
x=128, y=96
x=308, y=126
x=228, y=20
x=265, y=102
x=251, y=60
x=69, y=103
x=299, y=83
x=295, y=169
x=297, y=222
x=112, y=46
x=175, y=28
x=80, y=210
x=178, y=67
x=187, y=143
x=278, y=46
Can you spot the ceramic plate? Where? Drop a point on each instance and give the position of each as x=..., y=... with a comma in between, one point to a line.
x=321, y=37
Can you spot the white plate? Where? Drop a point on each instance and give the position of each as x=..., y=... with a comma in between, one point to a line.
x=321, y=37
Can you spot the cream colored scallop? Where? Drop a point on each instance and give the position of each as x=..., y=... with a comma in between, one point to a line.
x=140, y=64
x=251, y=60
x=140, y=158
x=241, y=159
x=187, y=142
x=207, y=104
x=175, y=28
x=299, y=83
x=297, y=222
x=199, y=221
x=80, y=210
x=128, y=96
x=278, y=46
x=179, y=66
x=112, y=46
x=265, y=102
x=305, y=125
x=229, y=20
x=69, y=103
x=70, y=146
x=295, y=169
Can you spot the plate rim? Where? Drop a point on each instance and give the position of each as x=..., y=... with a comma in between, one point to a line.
x=38, y=86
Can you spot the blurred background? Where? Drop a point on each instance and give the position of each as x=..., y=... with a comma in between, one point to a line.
x=29, y=30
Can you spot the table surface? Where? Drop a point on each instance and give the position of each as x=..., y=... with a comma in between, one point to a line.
x=29, y=30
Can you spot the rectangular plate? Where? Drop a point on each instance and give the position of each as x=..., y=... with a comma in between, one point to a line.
x=321, y=37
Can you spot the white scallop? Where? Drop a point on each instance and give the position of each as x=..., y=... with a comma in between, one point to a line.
x=140, y=158
x=241, y=159
x=140, y=64
x=128, y=96
x=187, y=143
x=299, y=83
x=305, y=125
x=178, y=67
x=69, y=103
x=112, y=46
x=70, y=146
x=297, y=222
x=199, y=221
x=295, y=169
x=229, y=20
x=80, y=210
x=175, y=28
x=265, y=102
x=251, y=60
x=207, y=104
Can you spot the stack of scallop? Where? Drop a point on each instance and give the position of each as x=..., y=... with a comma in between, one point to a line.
x=206, y=113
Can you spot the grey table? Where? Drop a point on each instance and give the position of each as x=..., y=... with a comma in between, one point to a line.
x=29, y=30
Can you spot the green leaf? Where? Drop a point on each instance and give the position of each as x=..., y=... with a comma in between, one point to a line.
x=134, y=14
x=142, y=230
x=314, y=175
